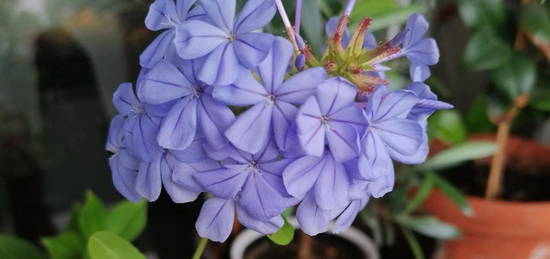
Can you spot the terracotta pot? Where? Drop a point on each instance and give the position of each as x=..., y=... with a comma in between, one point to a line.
x=496, y=230
x=499, y=229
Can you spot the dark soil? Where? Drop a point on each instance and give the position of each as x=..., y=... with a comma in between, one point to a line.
x=324, y=246
x=518, y=185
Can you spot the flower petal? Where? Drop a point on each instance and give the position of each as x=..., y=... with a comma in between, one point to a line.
x=194, y=153
x=300, y=176
x=262, y=226
x=214, y=118
x=221, y=12
x=283, y=116
x=331, y=188
x=124, y=168
x=301, y=86
x=124, y=98
x=223, y=183
x=343, y=141
x=273, y=69
x=183, y=7
x=177, y=192
x=347, y=217
x=416, y=27
x=254, y=15
x=183, y=173
x=243, y=92
x=311, y=132
x=252, y=129
x=216, y=219
x=253, y=47
x=180, y=125
x=392, y=105
x=403, y=139
x=116, y=134
x=164, y=83
x=143, y=137
x=197, y=38
x=424, y=52
x=312, y=219
x=374, y=161
x=148, y=181
x=162, y=15
x=419, y=72
x=221, y=67
x=381, y=185
x=260, y=199
x=334, y=94
x=158, y=50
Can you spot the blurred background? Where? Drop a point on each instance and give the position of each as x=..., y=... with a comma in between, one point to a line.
x=61, y=60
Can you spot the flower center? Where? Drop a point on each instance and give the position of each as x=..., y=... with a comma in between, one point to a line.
x=137, y=108
x=325, y=119
x=253, y=166
x=271, y=98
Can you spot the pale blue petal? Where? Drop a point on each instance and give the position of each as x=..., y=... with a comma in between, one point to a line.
x=301, y=86
x=177, y=192
x=221, y=66
x=331, y=188
x=312, y=219
x=394, y=105
x=260, y=199
x=254, y=15
x=124, y=98
x=162, y=15
x=143, y=137
x=180, y=125
x=183, y=173
x=311, y=132
x=116, y=134
x=164, y=83
x=221, y=12
x=334, y=94
x=343, y=141
x=262, y=226
x=416, y=27
x=243, y=92
x=403, y=139
x=214, y=118
x=252, y=129
x=283, y=116
x=381, y=185
x=148, y=181
x=347, y=217
x=424, y=52
x=183, y=7
x=158, y=50
x=300, y=176
x=273, y=69
x=216, y=219
x=223, y=183
x=374, y=161
x=197, y=38
x=252, y=48
x=124, y=169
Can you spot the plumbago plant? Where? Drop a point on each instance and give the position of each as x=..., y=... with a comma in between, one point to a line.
x=261, y=124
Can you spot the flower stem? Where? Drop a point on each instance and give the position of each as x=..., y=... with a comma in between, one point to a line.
x=200, y=248
x=499, y=159
x=288, y=26
x=298, y=16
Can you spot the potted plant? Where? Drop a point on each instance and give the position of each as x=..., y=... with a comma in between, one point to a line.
x=508, y=203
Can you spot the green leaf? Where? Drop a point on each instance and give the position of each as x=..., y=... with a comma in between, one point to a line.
x=421, y=195
x=92, y=215
x=413, y=243
x=67, y=245
x=447, y=126
x=458, y=154
x=477, y=13
x=17, y=248
x=516, y=77
x=284, y=235
x=370, y=8
x=430, y=226
x=312, y=24
x=127, y=219
x=477, y=117
x=540, y=100
x=106, y=245
x=535, y=19
x=452, y=193
x=486, y=51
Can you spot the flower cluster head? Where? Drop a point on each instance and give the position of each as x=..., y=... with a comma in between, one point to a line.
x=261, y=124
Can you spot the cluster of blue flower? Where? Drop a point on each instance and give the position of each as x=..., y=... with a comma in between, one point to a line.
x=222, y=108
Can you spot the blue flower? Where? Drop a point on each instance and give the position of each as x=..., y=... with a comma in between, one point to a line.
x=227, y=43
x=141, y=123
x=167, y=16
x=332, y=117
x=254, y=180
x=194, y=114
x=272, y=101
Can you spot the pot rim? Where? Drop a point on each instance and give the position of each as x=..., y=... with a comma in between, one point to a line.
x=245, y=238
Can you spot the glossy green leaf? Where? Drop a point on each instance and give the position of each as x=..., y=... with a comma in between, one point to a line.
x=458, y=154
x=540, y=100
x=430, y=226
x=448, y=126
x=476, y=13
x=312, y=24
x=17, y=248
x=106, y=245
x=477, y=117
x=371, y=8
x=486, y=51
x=516, y=77
x=421, y=194
x=535, y=19
x=92, y=215
x=67, y=245
x=284, y=235
x=127, y=219
x=452, y=193
x=386, y=17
